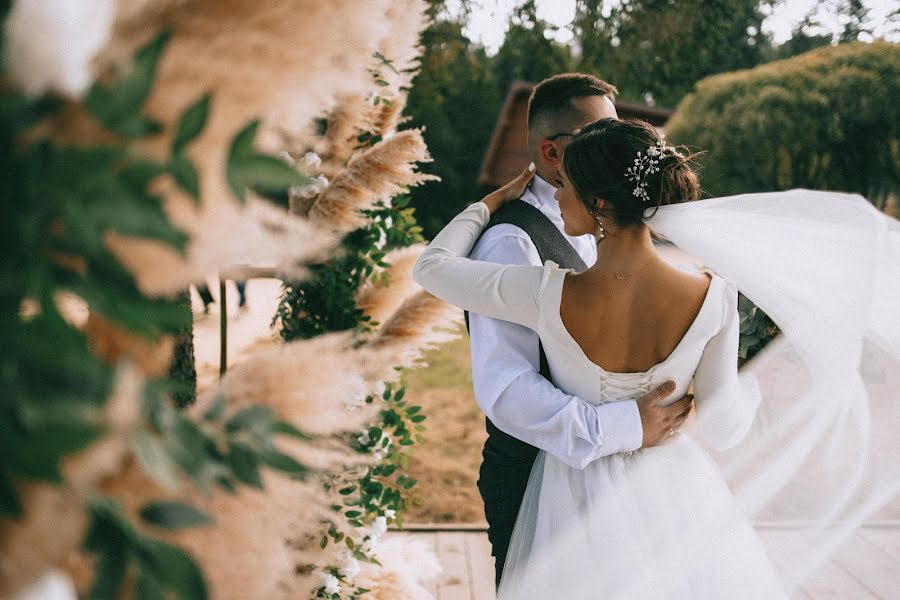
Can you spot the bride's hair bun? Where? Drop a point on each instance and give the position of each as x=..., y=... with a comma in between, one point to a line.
x=601, y=163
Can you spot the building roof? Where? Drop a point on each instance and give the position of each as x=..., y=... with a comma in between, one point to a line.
x=507, y=153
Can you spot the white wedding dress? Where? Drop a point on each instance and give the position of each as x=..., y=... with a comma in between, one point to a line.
x=819, y=456
x=656, y=523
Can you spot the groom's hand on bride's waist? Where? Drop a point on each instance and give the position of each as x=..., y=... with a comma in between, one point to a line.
x=660, y=422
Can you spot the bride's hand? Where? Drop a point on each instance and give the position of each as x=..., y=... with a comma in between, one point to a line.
x=509, y=192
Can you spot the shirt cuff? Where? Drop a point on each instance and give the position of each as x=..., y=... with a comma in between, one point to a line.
x=620, y=427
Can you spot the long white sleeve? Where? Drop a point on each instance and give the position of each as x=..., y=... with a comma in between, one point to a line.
x=518, y=399
x=726, y=401
x=508, y=292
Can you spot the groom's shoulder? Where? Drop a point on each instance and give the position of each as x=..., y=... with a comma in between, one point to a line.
x=506, y=243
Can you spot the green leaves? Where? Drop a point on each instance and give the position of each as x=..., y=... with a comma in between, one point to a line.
x=192, y=122
x=9, y=500
x=59, y=438
x=162, y=570
x=173, y=515
x=285, y=464
x=118, y=106
x=155, y=459
x=251, y=417
x=247, y=168
x=185, y=175
x=245, y=464
x=756, y=328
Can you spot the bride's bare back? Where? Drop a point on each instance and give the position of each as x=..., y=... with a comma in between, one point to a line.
x=629, y=325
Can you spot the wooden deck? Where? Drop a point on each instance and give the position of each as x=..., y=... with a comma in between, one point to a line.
x=867, y=567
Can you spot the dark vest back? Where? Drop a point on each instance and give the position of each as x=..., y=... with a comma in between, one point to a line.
x=551, y=245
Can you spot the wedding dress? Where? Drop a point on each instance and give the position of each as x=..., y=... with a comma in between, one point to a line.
x=661, y=522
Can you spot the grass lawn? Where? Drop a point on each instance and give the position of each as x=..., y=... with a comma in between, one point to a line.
x=446, y=464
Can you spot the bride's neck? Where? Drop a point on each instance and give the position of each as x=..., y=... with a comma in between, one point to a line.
x=624, y=250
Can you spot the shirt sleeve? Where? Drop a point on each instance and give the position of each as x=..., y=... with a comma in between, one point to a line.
x=518, y=399
x=508, y=292
x=726, y=401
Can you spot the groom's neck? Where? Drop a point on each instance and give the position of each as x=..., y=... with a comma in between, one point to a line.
x=547, y=173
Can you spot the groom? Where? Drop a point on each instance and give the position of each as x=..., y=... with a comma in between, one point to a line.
x=524, y=410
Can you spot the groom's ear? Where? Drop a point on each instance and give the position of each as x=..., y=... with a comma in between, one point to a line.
x=549, y=152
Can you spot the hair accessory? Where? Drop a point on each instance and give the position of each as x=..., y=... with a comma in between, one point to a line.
x=648, y=164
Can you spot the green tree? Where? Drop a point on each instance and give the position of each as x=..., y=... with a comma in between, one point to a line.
x=655, y=50
x=455, y=98
x=828, y=119
x=807, y=35
x=856, y=21
x=527, y=52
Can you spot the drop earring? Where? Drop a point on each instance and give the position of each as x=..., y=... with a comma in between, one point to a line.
x=601, y=233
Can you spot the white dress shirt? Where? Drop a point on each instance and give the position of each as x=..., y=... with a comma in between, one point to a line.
x=505, y=363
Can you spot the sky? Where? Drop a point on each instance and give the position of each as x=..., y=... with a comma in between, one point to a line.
x=489, y=17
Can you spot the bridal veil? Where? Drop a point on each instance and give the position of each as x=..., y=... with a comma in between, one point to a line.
x=821, y=457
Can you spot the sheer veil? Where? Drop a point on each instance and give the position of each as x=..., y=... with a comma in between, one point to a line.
x=821, y=457
x=826, y=267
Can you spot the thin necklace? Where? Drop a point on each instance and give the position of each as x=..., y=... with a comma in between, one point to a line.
x=623, y=276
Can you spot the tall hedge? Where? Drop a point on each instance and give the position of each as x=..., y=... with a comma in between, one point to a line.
x=826, y=119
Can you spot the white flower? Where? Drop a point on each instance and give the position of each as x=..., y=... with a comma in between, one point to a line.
x=364, y=437
x=350, y=569
x=369, y=545
x=379, y=455
x=311, y=161
x=354, y=402
x=50, y=43
x=382, y=239
x=379, y=526
x=331, y=583
x=389, y=513
x=311, y=189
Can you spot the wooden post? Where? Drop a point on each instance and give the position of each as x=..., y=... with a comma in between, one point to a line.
x=223, y=328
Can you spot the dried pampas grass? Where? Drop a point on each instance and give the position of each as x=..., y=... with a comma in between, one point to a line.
x=407, y=566
x=387, y=115
x=54, y=522
x=258, y=234
x=417, y=323
x=307, y=383
x=112, y=343
x=421, y=322
x=379, y=173
x=402, y=48
x=379, y=301
x=259, y=540
x=346, y=121
x=281, y=60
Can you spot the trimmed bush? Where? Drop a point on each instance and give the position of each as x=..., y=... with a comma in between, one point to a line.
x=827, y=119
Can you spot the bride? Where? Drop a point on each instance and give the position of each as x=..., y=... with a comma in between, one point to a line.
x=659, y=522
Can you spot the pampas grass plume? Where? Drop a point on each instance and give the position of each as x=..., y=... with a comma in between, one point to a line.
x=379, y=301
x=379, y=173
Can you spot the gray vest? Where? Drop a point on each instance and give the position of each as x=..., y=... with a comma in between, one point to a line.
x=551, y=245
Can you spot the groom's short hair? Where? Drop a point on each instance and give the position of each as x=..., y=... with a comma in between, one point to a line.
x=550, y=104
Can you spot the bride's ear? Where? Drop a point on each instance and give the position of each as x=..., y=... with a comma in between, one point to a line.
x=599, y=204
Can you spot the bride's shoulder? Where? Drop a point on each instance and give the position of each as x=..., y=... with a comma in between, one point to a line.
x=690, y=280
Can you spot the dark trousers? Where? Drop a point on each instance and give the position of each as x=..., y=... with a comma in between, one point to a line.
x=207, y=298
x=502, y=480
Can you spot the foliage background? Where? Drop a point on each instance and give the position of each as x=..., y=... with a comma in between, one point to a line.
x=652, y=50
x=828, y=119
